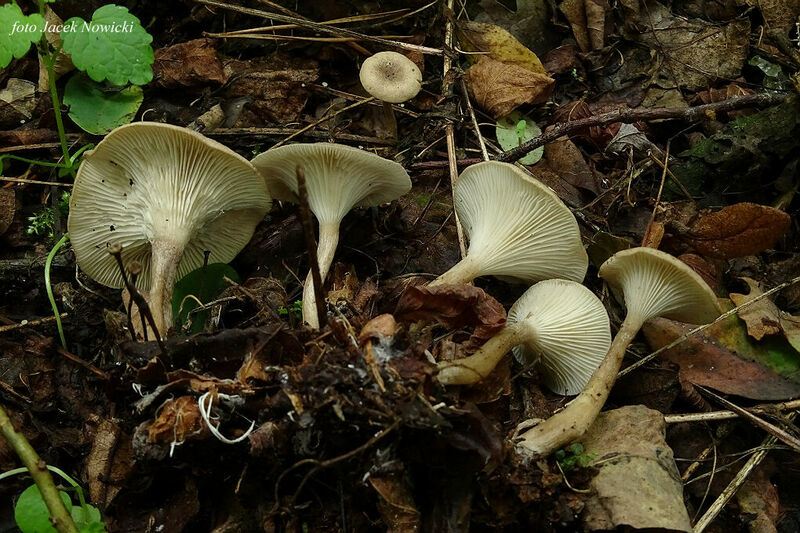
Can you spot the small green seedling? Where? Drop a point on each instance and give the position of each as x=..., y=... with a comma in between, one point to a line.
x=574, y=457
x=295, y=310
x=43, y=223
x=514, y=129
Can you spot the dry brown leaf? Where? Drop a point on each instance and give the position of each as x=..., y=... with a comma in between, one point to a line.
x=454, y=306
x=498, y=88
x=8, y=208
x=499, y=45
x=764, y=317
x=109, y=463
x=737, y=230
x=653, y=235
x=588, y=21
x=564, y=158
x=178, y=420
x=190, y=64
x=396, y=503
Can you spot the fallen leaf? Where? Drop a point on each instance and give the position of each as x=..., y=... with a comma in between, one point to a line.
x=737, y=230
x=723, y=357
x=604, y=245
x=178, y=420
x=653, y=235
x=190, y=64
x=637, y=484
x=109, y=464
x=498, y=88
x=396, y=503
x=454, y=306
x=588, y=21
x=530, y=23
x=8, y=208
x=764, y=317
x=567, y=161
x=17, y=103
x=709, y=270
x=499, y=45
x=778, y=13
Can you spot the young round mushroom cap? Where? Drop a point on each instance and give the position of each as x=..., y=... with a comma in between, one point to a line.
x=390, y=77
x=148, y=181
x=569, y=335
x=338, y=177
x=653, y=283
x=517, y=227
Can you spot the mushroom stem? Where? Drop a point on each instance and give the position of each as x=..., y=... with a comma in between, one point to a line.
x=575, y=419
x=390, y=121
x=462, y=272
x=165, y=256
x=326, y=248
x=477, y=366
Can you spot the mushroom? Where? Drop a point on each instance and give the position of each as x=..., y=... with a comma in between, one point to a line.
x=518, y=228
x=652, y=284
x=559, y=323
x=166, y=194
x=392, y=78
x=338, y=178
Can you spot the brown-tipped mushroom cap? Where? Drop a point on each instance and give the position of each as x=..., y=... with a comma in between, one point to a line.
x=570, y=333
x=558, y=323
x=338, y=178
x=653, y=283
x=517, y=227
x=391, y=77
x=166, y=194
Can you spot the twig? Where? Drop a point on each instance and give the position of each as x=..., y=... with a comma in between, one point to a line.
x=736, y=483
x=316, y=26
x=323, y=119
x=31, y=323
x=449, y=129
x=704, y=327
x=35, y=182
x=637, y=114
x=237, y=132
x=59, y=515
x=465, y=94
x=727, y=415
x=311, y=246
x=776, y=432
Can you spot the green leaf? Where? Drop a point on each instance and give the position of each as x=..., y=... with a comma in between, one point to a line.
x=17, y=32
x=88, y=519
x=203, y=284
x=97, y=110
x=113, y=46
x=515, y=129
x=31, y=514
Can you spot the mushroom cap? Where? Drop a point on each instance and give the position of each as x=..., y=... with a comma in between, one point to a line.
x=518, y=228
x=653, y=283
x=338, y=177
x=391, y=77
x=148, y=181
x=569, y=333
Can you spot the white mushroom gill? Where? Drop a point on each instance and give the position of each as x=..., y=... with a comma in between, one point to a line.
x=517, y=228
x=167, y=195
x=559, y=324
x=653, y=284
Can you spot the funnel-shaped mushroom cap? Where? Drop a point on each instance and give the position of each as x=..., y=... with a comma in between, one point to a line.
x=391, y=77
x=148, y=181
x=338, y=177
x=653, y=283
x=569, y=333
x=517, y=227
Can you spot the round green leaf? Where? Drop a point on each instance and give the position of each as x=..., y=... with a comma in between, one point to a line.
x=31, y=514
x=113, y=46
x=17, y=32
x=88, y=519
x=515, y=129
x=98, y=110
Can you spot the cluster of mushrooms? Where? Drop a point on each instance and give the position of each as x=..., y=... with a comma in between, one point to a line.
x=172, y=199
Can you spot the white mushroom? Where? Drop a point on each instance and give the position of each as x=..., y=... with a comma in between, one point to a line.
x=652, y=284
x=390, y=77
x=338, y=178
x=517, y=228
x=166, y=194
x=558, y=323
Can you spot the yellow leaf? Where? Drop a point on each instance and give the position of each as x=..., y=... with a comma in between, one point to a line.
x=499, y=45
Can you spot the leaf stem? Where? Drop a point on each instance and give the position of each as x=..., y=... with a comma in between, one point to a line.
x=49, y=287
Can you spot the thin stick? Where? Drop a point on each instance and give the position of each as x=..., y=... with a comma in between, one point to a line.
x=704, y=327
x=316, y=26
x=358, y=18
x=323, y=119
x=449, y=129
x=628, y=116
x=764, y=409
x=59, y=515
x=35, y=182
x=465, y=94
x=311, y=246
x=31, y=323
x=736, y=483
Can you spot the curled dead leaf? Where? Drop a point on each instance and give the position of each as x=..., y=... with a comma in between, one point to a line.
x=498, y=88
x=190, y=64
x=499, y=45
x=737, y=230
x=764, y=317
x=178, y=421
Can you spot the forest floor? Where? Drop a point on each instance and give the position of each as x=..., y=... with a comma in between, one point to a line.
x=347, y=428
